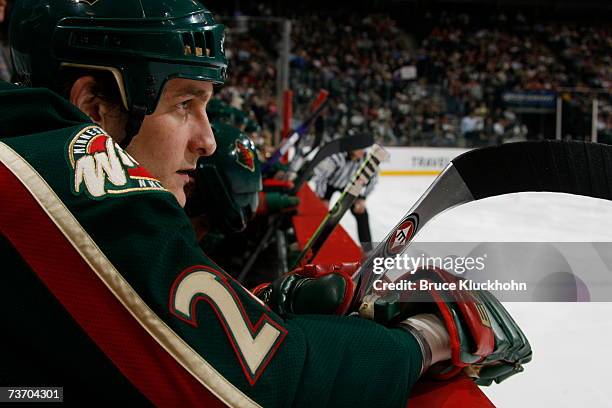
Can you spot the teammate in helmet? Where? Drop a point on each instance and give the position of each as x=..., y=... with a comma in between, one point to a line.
x=223, y=112
x=228, y=182
x=227, y=113
x=227, y=195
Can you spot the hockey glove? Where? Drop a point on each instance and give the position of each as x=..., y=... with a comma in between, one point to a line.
x=311, y=289
x=272, y=203
x=486, y=343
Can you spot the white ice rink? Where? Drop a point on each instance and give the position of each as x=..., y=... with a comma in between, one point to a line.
x=572, y=355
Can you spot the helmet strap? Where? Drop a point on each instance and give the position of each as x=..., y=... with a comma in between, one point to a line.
x=135, y=118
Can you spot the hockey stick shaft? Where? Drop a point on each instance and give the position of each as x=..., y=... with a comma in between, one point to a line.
x=294, y=135
x=302, y=146
x=272, y=227
x=580, y=168
x=365, y=172
x=322, y=98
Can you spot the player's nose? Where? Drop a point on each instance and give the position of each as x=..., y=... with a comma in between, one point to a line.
x=204, y=138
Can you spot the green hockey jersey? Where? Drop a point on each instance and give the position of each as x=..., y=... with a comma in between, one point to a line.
x=100, y=258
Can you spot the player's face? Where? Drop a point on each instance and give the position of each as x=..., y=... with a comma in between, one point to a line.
x=171, y=140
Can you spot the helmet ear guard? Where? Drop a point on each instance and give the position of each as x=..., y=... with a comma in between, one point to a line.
x=116, y=74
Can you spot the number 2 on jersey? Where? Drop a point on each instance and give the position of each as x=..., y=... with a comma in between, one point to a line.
x=254, y=344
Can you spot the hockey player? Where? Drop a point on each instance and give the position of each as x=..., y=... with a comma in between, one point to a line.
x=107, y=292
x=232, y=178
x=222, y=111
x=228, y=182
x=219, y=110
x=227, y=195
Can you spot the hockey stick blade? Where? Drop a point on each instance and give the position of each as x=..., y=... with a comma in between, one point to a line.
x=362, y=176
x=580, y=168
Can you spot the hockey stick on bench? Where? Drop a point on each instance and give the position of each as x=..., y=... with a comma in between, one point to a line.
x=579, y=168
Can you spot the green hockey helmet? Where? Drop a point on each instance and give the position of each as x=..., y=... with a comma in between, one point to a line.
x=223, y=112
x=252, y=126
x=142, y=43
x=217, y=109
x=228, y=182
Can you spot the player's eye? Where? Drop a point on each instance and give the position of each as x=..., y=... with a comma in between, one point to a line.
x=184, y=105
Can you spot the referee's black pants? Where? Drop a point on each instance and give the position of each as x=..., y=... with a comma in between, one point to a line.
x=363, y=221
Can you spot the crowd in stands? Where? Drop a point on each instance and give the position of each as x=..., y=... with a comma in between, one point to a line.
x=586, y=52
x=477, y=64
x=251, y=80
x=443, y=89
x=441, y=86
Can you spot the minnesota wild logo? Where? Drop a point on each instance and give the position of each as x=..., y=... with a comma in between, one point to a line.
x=245, y=156
x=103, y=168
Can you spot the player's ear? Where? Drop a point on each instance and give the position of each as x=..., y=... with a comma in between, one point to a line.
x=83, y=97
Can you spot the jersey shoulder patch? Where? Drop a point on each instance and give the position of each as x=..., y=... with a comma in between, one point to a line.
x=100, y=168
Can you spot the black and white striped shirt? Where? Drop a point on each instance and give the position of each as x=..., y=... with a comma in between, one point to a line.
x=336, y=171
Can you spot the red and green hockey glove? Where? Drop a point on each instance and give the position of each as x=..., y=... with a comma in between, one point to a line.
x=486, y=343
x=311, y=289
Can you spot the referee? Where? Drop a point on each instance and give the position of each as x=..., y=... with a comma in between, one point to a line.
x=333, y=174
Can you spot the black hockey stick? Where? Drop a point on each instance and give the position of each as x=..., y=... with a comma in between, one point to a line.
x=365, y=172
x=302, y=151
x=301, y=146
x=296, y=134
x=580, y=168
x=273, y=225
x=345, y=144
